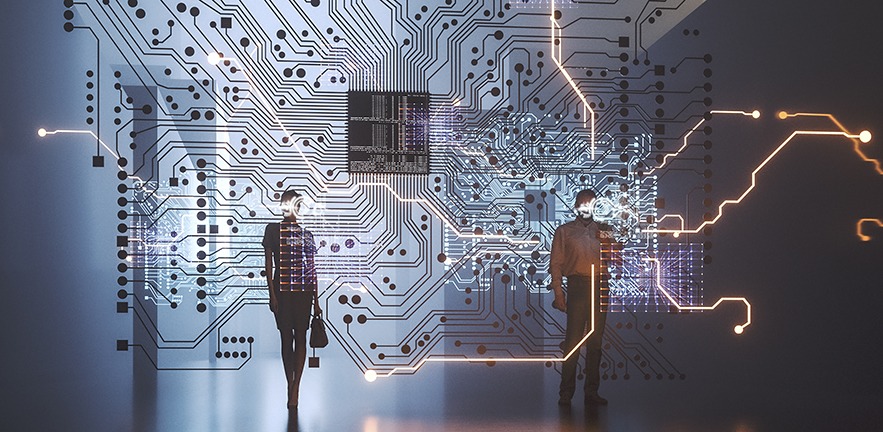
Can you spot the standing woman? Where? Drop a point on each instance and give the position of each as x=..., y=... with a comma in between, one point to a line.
x=293, y=287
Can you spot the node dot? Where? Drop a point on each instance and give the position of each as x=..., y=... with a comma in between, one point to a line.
x=370, y=375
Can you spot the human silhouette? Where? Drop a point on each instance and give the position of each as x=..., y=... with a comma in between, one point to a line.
x=289, y=249
x=576, y=248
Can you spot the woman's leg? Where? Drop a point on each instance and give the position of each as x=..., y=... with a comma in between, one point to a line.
x=288, y=356
x=299, y=357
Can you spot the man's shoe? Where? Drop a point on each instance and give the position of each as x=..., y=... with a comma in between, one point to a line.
x=595, y=399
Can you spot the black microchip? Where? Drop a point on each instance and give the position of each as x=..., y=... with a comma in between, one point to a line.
x=388, y=132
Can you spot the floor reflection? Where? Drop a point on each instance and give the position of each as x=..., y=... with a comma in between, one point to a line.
x=336, y=398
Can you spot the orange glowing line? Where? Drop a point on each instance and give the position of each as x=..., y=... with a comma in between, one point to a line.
x=556, y=57
x=856, y=141
x=858, y=227
x=373, y=373
x=754, y=173
x=738, y=329
x=754, y=114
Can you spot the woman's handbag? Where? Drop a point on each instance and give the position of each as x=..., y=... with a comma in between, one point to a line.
x=318, y=337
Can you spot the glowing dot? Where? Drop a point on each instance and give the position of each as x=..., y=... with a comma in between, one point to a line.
x=755, y=114
x=370, y=375
x=738, y=329
x=42, y=132
x=864, y=136
x=214, y=58
x=676, y=235
x=783, y=115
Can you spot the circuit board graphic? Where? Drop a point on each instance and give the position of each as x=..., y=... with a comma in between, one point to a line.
x=437, y=146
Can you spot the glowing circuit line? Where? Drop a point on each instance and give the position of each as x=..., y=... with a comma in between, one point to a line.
x=556, y=57
x=738, y=329
x=43, y=132
x=215, y=60
x=371, y=374
x=858, y=227
x=863, y=138
x=442, y=217
x=677, y=232
x=325, y=185
x=754, y=114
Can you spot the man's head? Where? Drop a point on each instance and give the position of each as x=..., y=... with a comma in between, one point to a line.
x=584, y=203
x=290, y=203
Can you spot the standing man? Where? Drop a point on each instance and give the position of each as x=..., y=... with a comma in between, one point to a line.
x=576, y=255
x=293, y=287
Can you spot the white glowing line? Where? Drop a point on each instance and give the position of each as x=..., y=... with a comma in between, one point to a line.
x=269, y=107
x=44, y=132
x=573, y=351
x=441, y=216
x=325, y=185
x=738, y=329
x=556, y=57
